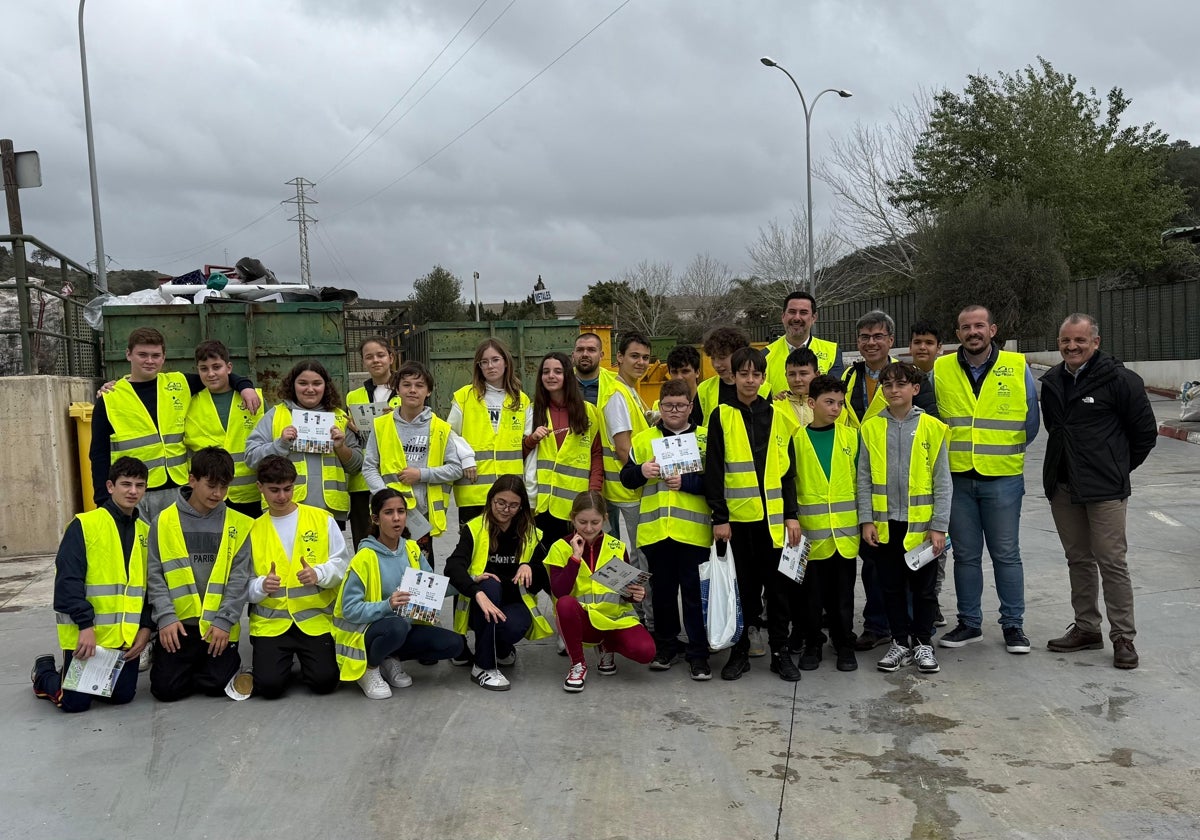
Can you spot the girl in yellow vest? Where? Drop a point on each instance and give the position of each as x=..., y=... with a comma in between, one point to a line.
x=565, y=446
x=377, y=359
x=590, y=613
x=904, y=493
x=372, y=640
x=492, y=568
x=322, y=479
x=493, y=416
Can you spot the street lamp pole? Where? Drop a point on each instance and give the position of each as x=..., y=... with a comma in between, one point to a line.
x=844, y=94
x=101, y=269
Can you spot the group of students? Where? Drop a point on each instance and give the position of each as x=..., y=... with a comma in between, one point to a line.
x=206, y=510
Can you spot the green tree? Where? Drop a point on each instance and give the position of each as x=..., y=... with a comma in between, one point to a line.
x=608, y=302
x=1064, y=149
x=1005, y=255
x=1183, y=167
x=437, y=297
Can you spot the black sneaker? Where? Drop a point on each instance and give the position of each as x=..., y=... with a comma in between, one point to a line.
x=664, y=659
x=44, y=664
x=961, y=635
x=738, y=664
x=939, y=620
x=810, y=658
x=869, y=639
x=465, y=657
x=700, y=670
x=1015, y=641
x=846, y=660
x=782, y=664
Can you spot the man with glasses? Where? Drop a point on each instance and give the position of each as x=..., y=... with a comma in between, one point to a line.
x=799, y=315
x=986, y=396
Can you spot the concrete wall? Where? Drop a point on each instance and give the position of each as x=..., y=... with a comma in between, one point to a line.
x=39, y=461
x=1169, y=375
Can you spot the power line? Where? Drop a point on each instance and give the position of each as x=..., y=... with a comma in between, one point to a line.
x=477, y=122
x=185, y=253
x=302, y=201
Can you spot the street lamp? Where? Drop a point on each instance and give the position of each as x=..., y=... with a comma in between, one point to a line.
x=101, y=272
x=844, y=94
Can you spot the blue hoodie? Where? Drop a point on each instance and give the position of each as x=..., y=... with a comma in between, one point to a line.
x=391, y=571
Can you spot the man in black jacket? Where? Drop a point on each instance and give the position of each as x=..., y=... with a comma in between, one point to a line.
x=1101, y=428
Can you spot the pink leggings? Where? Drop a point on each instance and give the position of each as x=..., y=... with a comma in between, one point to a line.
x=633, y=643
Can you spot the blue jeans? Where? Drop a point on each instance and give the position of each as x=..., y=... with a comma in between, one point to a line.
x=988, y=511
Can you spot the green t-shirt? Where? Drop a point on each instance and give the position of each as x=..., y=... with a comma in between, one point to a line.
x=822, y=443
x=224, y=404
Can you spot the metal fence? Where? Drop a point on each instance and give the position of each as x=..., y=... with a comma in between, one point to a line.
x=42, y=329
x=359, y=329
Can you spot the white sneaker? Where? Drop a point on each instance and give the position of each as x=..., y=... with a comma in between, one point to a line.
x=393, y=673
x=896, y=658
x=757, y=646
x=373, y=685
x=490, y=678
x=146, y=657
x=926, y=662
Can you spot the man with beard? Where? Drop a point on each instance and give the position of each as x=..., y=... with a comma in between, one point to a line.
x=986, y=396
x=799, y=315
x=586, y=359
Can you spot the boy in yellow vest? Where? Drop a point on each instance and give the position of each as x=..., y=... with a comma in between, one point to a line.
x=220, y=417
x=904, y=493
x=299, y=559
x=99, y=590
x=801, y=367
x=826, y=464
x=198, y=568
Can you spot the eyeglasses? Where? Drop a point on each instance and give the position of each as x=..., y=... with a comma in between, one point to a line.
x=675, y=408
x=499, y=504
x=491, y=362
x=865, y=338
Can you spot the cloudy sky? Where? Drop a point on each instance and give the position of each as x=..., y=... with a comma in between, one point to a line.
x=432, y=138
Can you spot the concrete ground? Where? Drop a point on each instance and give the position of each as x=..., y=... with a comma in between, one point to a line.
x=995, y=746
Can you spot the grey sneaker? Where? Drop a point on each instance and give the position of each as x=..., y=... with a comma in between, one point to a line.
x=926, y=662
x=896, y=658
x=757, y=646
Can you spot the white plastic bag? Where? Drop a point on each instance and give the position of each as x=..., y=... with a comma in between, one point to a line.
x=1189, y=401
x=719, y=599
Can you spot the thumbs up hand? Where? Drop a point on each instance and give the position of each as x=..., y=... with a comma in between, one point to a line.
x=307, y=574
x=271, y=583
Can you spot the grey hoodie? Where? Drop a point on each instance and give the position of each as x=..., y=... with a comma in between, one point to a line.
x=414, y=437
x=899, y=454
x=391, y=571
x=202, y=536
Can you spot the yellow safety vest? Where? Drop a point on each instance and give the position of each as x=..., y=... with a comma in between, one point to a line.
x=741, y=482
x=795, y=412
x=777, y=353
x=828, y=504
x=203, y=428
x=611, y=387
x=497, y=452
x=930, y=437
x=117, y=597
x=540, y=628
x=160, y=447
x=358, y=484
x=606, y=610
x=563, y=472
x=878, y=401
x=349, y=639
x=670, y=514
x=392, y=462
x=708, y=393
x=987, y=433
x=310, y=607
x=333, y=473
x=177, y=567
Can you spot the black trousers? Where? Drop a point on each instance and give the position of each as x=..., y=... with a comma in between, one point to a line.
x=49, y=687
x=468, y=512
x=360, y=516
x=273, y=656
x=828, y=589
x=496, y=639
x=191, y=670
x=756, y=563
x=676, y=570
x=899, y=583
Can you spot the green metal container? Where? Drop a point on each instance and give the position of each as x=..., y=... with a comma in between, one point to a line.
x=447, y=348
x=264, y=339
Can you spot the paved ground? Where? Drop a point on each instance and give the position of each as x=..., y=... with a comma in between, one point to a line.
x=995, y=746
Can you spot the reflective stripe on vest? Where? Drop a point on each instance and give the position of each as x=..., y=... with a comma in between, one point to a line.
x=611, y=388
x=310, y=607
x=203, y=427
x=177, y=567
x=606, y=610
x=742, y=493
x=827, y=505
x=563, y=472
x=349, y=639
x=158, y=445
x=987, y=433
x=357, y=483
x=670, y=514
x=392, y=462
x=116, y=597
x=333, y=474
x=539, y=628
x=498, y=451
x=929, y=438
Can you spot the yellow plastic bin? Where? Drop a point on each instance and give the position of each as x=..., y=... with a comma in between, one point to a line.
x=82, y=412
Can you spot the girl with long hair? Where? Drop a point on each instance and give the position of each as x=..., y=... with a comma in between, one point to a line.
x=377, y=360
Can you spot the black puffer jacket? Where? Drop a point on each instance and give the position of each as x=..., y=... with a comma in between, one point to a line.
x=1101, y=428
